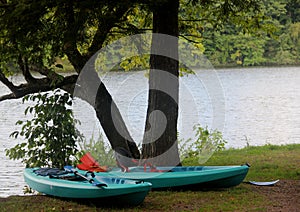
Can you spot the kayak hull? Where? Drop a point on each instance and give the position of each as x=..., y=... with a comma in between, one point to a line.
x=192, y=177
x=120, y=190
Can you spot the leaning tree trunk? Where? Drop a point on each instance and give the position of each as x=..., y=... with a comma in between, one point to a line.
x=90, y=88
x=160, y=145
x=115, y=128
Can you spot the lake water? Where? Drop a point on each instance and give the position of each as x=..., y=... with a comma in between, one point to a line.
x=257, y=106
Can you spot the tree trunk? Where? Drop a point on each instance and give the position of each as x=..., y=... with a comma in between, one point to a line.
x=160, y=145
x=90, y=88
x=115, y=127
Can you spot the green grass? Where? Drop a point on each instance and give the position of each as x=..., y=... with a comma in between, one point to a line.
x=267, y=163
x=239, y=198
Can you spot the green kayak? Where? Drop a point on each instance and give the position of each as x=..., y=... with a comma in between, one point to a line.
x=186, y=177
x=69, y=185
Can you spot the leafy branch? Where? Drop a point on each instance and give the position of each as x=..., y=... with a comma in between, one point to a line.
x=51, y=136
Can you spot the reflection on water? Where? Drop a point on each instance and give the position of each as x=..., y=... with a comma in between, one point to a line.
x=261, y=106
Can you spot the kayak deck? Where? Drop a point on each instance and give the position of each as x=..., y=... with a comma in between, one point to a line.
x=128, y=191
x=195, y=177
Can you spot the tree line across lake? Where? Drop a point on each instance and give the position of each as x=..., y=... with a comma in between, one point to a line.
x=231, y=46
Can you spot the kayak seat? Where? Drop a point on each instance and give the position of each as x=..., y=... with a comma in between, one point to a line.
x=56, y=173
x=49, y=171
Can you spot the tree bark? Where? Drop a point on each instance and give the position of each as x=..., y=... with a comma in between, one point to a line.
x=160, y=145
x=90, y=88
x=94, y=91
x=115, y=128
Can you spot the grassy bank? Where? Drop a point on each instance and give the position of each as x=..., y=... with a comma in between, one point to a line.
x=267, y=163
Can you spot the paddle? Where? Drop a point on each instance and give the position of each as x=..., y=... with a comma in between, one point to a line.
x=271, y=183
x=90, y=180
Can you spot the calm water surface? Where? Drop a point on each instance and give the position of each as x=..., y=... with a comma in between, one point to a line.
x=261, y=105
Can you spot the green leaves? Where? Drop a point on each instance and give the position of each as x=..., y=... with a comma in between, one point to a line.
x=206, y=143
x=208, y=139
x=51, y=136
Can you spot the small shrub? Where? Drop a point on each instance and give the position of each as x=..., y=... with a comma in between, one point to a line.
x=206, y=143
x=51, y=136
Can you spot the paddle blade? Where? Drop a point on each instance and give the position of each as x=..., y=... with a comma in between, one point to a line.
x=271, y=183
x=88, y=160
x=90, y=164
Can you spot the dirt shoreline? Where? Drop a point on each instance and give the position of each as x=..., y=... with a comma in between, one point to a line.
x=285, y=195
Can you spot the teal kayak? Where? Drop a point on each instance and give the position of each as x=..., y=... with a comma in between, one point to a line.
x=186, y=177
x=67, y=185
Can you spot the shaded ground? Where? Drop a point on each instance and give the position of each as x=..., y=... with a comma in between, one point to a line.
x=285, y=195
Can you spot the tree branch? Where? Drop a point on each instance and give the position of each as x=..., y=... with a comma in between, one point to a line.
x=41, y=85
x=52, y=75
x=70, y=38
x=104, y=26
x=188, y=39
x=23, y=63
x=8, y=83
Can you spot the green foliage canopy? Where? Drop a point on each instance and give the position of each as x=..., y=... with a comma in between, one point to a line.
x=45, y=30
